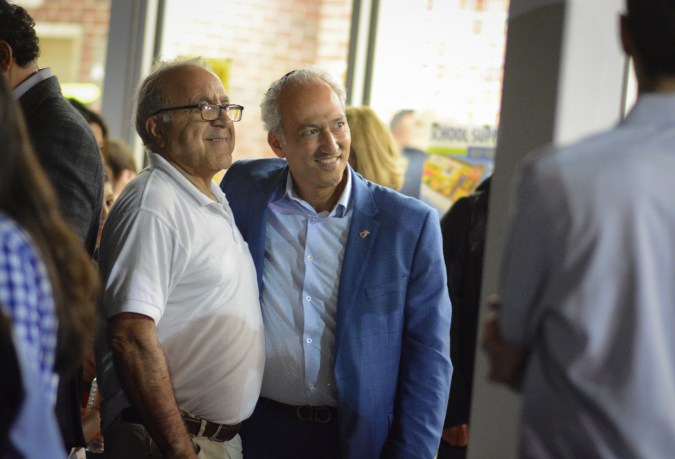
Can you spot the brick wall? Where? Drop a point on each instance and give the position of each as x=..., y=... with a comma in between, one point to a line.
x=92, y=16
x=264, y=39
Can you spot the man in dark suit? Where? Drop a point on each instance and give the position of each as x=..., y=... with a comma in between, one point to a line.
x=66, y=149
x=463, y=228
x=353, y=291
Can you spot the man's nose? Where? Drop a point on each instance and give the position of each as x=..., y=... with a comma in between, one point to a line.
x=222, y=119
x=329, y=142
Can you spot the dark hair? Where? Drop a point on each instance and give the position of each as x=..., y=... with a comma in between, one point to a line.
x=27, y=197
x=90, y=116
x=120, y=158
x=17, y=28
x=652, y=26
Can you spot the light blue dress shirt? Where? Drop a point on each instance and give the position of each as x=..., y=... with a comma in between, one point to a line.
x=588, y=289
x=303, y=260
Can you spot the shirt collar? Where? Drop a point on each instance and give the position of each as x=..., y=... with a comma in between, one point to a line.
x=341, y=207
x=653, y=109
x=158, y=162
x=23, y=87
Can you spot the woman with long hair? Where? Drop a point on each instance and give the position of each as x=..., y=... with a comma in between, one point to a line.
x=374, y=153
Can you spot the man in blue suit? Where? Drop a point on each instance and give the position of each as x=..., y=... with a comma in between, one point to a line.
x=353, y=291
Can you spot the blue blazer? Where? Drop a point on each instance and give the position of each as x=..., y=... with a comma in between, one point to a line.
x=392, y=365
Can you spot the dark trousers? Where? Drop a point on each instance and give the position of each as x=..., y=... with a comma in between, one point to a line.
x=272, y=433
x=451, y=452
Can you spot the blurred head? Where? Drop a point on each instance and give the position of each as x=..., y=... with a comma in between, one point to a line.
x=108, y=200
x=305, y=118
x=18, y=40
x=401, y=127
x=197, y=147
x=374, y=153
x=96, y=122
x=648, y=35
x=120, y=160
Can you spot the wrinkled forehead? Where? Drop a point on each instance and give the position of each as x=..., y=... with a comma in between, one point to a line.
x=192, y=84
x=311, y=96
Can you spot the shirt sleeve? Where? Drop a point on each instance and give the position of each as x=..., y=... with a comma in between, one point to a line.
x=533, y=233
x=141, y=260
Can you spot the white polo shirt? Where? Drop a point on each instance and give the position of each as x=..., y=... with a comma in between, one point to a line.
x=170, y=253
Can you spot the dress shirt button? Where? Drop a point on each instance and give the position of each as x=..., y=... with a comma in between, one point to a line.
x=309, y=340
x=310, y=258
x=308, y=298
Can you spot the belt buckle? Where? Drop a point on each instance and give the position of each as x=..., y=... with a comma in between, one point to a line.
x=318, y=414
x=215, y=435
x=322, y=414
x=299, y=412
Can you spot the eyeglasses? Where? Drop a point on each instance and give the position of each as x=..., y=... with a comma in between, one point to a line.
x=209, y=112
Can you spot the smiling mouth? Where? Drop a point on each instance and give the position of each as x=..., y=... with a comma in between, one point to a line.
x=328, y=161
x=218, y=139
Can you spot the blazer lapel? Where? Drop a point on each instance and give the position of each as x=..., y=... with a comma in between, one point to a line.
x=362, y=234
x=258, y=203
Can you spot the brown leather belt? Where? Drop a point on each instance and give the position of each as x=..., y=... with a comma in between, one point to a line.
x=211, y=430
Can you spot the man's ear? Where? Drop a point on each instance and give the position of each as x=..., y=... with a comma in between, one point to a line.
x=6, y=56
x=155, y=128
x=277, y=145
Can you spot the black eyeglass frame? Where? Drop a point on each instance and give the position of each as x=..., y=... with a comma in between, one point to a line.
x=225, y=107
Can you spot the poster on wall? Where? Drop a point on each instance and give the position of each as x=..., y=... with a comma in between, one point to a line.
x=460, y=158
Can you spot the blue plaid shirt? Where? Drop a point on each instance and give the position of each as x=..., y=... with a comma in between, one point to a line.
x=26, y=297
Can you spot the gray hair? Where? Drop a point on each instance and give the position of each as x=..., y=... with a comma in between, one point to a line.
x=152, y=94
x=269, y=107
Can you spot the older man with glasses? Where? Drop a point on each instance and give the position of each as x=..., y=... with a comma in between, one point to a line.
x=180, y=361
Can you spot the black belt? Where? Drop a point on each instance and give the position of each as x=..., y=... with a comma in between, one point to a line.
x=305, y=413
x=212, y=431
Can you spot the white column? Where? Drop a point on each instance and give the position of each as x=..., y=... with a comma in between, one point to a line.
x=563, y=79
x=131, y=42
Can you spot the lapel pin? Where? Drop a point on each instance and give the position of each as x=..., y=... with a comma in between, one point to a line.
x=364, y=233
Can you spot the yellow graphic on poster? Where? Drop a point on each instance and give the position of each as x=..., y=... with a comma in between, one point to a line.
x=451, y=177
x=460, y=158
x=221, y=67
x=445, y=179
